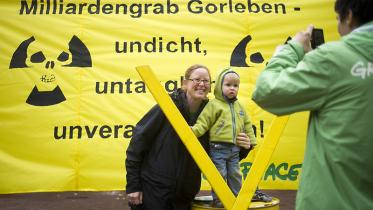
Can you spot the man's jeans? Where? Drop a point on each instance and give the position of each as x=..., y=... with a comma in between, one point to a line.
x=226, y=158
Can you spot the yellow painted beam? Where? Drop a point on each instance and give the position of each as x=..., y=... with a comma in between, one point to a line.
x=187, y=136
x=200, y=156
x=260, y=163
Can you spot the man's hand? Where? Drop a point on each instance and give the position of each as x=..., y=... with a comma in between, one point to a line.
x=304, y=38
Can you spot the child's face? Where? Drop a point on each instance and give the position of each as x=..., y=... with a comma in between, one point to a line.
x=231, y=84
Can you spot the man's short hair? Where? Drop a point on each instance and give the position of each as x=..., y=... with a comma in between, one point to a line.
x=362, y=10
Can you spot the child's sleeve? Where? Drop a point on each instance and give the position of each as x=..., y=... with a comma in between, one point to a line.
x=204, y=121
x=249, y=130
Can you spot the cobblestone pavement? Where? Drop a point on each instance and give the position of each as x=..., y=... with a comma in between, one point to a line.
x=109, y=200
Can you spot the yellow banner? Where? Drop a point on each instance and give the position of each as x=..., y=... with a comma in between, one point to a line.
x=70, y=95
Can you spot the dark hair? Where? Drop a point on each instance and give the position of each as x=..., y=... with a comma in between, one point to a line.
x=362, y=10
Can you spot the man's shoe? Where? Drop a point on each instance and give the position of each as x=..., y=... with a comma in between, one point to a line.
x=260, y=196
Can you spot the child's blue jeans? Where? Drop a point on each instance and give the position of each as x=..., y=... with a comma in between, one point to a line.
x=226, y=158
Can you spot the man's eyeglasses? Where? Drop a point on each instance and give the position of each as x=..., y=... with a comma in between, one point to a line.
x=198, y=81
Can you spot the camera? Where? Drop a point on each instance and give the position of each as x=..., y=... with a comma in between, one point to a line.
x=317, y=37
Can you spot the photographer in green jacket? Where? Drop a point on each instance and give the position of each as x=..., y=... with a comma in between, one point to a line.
x=335, y=83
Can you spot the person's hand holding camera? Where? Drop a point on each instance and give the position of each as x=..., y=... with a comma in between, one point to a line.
x=304, y=38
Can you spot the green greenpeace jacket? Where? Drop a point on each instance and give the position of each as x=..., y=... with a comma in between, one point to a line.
x=225, y=119
x=335, y=83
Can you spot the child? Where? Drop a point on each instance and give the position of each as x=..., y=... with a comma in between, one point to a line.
x=224, y=117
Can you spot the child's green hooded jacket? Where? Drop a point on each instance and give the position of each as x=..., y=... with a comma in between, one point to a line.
x=223, y=117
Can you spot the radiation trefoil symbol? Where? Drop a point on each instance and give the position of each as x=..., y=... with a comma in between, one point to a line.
x=239, y=55
x=243, y=54
x=78, y=56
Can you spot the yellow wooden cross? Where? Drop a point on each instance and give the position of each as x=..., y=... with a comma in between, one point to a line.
x=199, y=154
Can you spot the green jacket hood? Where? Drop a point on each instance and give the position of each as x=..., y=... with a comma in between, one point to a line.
x=360, y=41
x=218, y=91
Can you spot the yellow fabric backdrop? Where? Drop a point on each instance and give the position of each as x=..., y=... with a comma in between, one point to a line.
x=70, y=95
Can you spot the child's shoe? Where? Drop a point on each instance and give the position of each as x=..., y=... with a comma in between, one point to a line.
x=260, y=196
